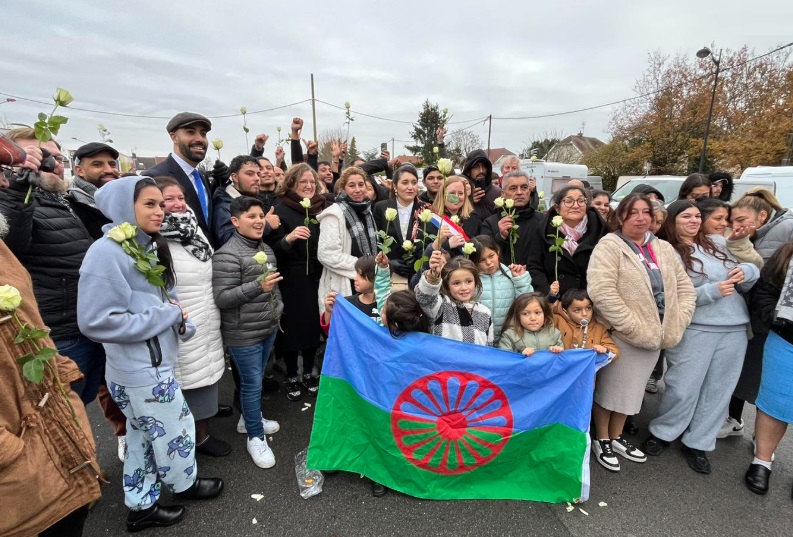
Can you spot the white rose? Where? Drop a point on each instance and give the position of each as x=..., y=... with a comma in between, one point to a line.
x=390, y=214
x=510, y=203
x=407, y=246
x=468, y=248
x=499, y=202
x=260, y=258
x=425, y=215
x=557, y=221
x=10, y=299
x=306, y=203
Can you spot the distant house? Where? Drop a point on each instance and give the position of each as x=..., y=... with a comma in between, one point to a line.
x=409, y=159
x=573, y=148
x=145, y=163
x=498, y=154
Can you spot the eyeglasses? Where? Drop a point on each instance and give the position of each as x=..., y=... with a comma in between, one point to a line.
x=569, y=202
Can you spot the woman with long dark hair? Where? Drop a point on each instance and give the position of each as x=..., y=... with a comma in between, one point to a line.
x=704, y=367
x=404, y=225
x=139, y=322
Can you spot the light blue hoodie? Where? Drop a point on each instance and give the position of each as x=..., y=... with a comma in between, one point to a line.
x=119, y=308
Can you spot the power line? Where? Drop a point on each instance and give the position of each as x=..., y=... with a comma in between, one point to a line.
x=672, y=86
x=389, y=119
x=141, y=116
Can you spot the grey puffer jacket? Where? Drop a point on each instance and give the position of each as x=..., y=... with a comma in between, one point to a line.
x=774, y=233
x=248, y=315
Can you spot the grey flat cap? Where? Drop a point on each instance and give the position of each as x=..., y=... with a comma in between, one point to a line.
x=185, y=119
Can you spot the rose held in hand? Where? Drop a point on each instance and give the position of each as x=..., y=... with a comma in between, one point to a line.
x=509, y=204
x=445, y=166
x=557, y=221
x=499, y=202
x=390, y=214
x=425, y=215
x=10, y=299
x=260, y=258
x=306, y=203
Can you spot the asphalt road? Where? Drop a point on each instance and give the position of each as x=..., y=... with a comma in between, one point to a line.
x=662, y=497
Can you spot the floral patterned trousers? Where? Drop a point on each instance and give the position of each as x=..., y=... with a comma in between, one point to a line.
x=160, y=441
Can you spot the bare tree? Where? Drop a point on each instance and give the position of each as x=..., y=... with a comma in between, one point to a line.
x=460, y=143
x=542, y=143
x=326, y=137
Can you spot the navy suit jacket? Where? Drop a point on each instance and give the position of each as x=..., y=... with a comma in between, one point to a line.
x=169, y=167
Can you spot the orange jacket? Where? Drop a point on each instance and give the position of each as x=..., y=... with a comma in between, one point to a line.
x=573, y=334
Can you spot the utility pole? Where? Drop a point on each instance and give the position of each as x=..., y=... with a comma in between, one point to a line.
x=704, y=53
x=314, y=108
x=489, y=130
x=393, y=149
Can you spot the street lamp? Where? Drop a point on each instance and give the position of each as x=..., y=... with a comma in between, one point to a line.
x=702, y=53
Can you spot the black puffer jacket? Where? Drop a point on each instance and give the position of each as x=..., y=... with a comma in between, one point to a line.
x=248, y=315
x=50, y=241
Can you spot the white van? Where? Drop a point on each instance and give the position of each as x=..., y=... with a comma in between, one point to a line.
x=782, y=176
x=669, y=186
x=552, y=176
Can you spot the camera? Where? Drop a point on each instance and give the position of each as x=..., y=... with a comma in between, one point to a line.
x=48, y=162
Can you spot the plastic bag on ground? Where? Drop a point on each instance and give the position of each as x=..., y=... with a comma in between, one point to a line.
x=308, y=481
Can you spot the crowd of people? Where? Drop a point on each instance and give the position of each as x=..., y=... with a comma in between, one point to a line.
x=147, y=282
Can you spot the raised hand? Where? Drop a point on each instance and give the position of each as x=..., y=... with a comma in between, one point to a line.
x=279, y=155
x=382, y=260
x=297, y=128
x=272, y=219
x=440, y=134
x=517, y=270
x=259, y=142
x=504, y=225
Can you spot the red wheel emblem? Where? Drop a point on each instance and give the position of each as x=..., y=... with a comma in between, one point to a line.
x=451, y=422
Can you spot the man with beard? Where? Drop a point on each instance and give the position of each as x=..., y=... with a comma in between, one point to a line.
x=49, y=239
x=95, y=164
x=245, y=176
x=516, y=187
x=188, y=133
x=479, y=171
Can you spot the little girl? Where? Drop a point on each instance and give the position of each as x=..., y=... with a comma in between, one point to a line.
x=450, y=301
x=573, y=317
x=529, y=327
x=501, y=285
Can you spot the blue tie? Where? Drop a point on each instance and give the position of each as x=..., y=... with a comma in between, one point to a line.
x=199, y=186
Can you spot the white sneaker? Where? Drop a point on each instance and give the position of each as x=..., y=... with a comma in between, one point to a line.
x=731, y=427
x=604, y=455
x=261, y=453
x=623, y=447
x=270, y=426
x=122, y=448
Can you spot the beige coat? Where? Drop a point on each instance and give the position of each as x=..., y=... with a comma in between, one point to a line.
x=620, y=290
x=48, y=464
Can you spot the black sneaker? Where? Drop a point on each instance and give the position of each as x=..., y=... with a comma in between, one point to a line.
x=654, y=446
x=605, y=455
x=293, y=390
x=312, y=384
x=697, y=459
x=378, y=490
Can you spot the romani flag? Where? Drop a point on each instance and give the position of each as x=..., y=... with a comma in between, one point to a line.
x=441, y=419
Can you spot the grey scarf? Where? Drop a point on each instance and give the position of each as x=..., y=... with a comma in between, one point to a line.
x=354, y=212
x=784, y=306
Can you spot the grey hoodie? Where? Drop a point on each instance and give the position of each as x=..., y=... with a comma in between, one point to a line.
x=717, y=313
x=119, y=308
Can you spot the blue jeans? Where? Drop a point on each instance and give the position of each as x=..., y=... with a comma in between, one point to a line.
x=251, y=362
x=90, y=358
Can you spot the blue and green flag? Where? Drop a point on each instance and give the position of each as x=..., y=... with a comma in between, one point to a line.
x=441, y=419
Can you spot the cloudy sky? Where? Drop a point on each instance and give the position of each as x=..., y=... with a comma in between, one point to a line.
x=157, y=58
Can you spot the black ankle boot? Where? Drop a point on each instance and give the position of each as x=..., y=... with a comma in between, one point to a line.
x=155, y=516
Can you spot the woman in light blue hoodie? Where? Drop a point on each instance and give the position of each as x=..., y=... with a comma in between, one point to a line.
x=139, y=325
x=704, y=367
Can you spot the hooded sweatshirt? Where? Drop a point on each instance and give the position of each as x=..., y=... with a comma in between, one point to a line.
x=119, y=308
x=647, y=189
x=485, y=207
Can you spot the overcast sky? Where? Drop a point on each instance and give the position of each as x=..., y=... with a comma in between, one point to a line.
x=157, y=58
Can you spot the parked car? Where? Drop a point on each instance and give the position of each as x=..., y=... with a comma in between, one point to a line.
x=669, y=186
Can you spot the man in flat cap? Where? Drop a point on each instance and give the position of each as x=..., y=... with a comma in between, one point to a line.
x=95, y=164
x=188, y=133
